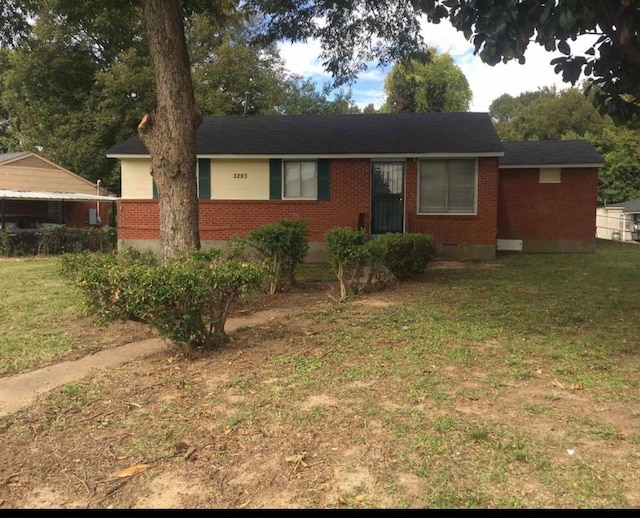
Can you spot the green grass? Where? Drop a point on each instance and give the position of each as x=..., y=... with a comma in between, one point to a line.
x=574, y=310
x=36, y=305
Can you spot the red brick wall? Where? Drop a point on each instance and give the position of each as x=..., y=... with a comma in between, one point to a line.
x=478, y=229
x=224, y=219
x=529, y=209
x=350, y=184
x=138, y=219
x=77, y=213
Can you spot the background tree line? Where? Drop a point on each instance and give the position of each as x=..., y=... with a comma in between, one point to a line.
x=71, y=87
x=76, y=78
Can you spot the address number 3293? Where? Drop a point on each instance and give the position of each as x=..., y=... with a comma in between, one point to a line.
x=240, y=176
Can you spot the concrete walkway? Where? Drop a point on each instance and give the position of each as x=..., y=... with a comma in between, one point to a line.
x=22, y=390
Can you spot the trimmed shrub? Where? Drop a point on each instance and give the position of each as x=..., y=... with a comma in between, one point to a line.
x=282, y=247
x=346, y=251
x=69, y=264
x=186, y=300
x=405, y=255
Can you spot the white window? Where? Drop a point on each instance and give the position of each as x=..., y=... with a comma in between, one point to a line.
x=300, y=180
x=550, y=175
x=447, y=187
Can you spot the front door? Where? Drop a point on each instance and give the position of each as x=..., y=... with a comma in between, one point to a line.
x=387, y=197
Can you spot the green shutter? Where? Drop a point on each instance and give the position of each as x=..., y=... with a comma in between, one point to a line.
x=155, y=189
x=275, y=179
x=204, y=178
x=323, y=179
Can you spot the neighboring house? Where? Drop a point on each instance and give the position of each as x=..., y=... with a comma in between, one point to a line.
x=435, y=173
x=619, y=221
x=33, y=186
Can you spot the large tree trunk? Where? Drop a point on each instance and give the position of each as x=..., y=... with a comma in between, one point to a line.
x=169, y=132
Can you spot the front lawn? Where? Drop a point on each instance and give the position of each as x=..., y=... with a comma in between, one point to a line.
x=512, y=383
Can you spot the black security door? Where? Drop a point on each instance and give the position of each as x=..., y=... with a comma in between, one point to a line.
x=387, y=197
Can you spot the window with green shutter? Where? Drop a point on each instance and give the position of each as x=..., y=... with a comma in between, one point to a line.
x=204, y=178
x=275, y=179
x=323, y=179
x=299, y=179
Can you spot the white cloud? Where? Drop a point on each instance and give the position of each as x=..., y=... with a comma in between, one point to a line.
x=302, y=59
x=487, y=82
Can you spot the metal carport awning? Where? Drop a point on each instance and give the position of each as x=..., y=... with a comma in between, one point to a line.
x=6, y=194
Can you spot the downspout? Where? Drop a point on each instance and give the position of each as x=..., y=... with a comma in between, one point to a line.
x=98, y=218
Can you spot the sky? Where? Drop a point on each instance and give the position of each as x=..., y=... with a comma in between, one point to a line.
x=487, y=82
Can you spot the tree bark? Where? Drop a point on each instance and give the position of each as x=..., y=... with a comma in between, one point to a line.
x=169, y=131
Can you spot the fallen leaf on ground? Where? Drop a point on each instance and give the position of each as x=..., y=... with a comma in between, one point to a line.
x=133, y=470
x=565, y=386
x=297, y=459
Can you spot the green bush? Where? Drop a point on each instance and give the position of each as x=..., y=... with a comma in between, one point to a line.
x=405, y=255
x=69, y=264
x=346, y=251
x=282, y=247
x=6, y=247
x=186, y=300
x=59, y=240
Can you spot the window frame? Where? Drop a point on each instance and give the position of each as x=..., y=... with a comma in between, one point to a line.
x=315, y=179
x=420, y=211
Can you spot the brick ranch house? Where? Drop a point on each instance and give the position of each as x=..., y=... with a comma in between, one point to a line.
x=445, y=174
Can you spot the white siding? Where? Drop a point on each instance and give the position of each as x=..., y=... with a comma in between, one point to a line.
x=611, y=223
x=136, y=182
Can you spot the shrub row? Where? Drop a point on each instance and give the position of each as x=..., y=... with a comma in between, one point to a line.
x=360, y=262
x=187, y=300
x=58, y=240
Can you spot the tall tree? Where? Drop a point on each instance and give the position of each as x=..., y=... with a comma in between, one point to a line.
x=230, y=74
x=503, y=108
x=547, y=115
x=302, y=97
x=503, y=30
x=54, y=83
x=621, y=150
x=428, y=82
x=169, y=131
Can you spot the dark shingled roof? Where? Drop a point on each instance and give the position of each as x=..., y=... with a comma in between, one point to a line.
x=550, y=152
x=367, y=134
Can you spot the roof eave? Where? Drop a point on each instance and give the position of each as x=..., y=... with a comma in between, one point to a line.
x=539, y=166
x=7, y=194
x=228, y=156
